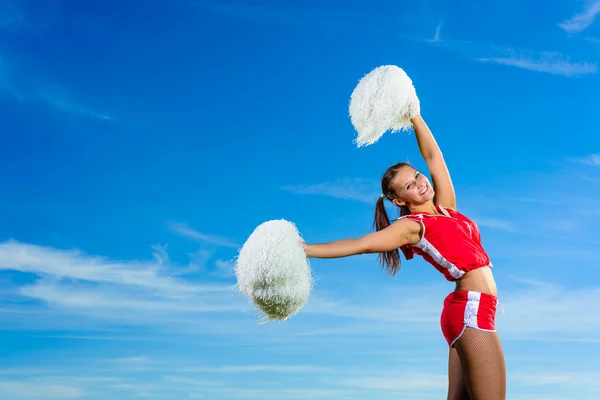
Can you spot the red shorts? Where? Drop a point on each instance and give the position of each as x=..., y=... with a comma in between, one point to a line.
x=467, y=309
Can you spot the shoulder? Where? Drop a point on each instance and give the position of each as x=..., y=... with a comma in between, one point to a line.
x=412, y=226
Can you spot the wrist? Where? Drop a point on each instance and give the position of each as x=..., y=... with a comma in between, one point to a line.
x=306, y=249
x=416, y=118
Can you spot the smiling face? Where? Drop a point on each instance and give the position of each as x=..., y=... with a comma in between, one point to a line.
x=411, y=187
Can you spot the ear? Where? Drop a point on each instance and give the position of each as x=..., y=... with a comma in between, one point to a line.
x=398, y=202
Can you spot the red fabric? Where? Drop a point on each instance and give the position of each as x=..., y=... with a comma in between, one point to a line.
x=463, y=308
x=454, y=237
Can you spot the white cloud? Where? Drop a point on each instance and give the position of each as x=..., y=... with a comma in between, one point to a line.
x=593, y=159
x=75, y=285
x=278, y=369
x=551, y=62
x=57, y=98
x=181, y=380
x=131, y=360
x=277, y=393
x=540, y=311
x=583, y=19
x=588, y=379
x=547, y=311
x=225, y=267
x=408, y=305
x=121, y=303
x=437, y=35
x=160, y=254
x=496, y=223
x=400, y=382
x=350, y=189
x=367, y=192
x=26, y=371
x=198, y=260
x=33, y=390
x=73, y=264
x=70, y=285
x=186, y=231
x=547, y=62
x=24, y=90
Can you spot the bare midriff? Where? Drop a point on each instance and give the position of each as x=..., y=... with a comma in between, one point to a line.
x=478, y=280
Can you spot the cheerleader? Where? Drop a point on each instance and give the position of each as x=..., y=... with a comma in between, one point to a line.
x=430, y=226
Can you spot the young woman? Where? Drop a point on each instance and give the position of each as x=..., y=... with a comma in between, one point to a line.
x=431, y=227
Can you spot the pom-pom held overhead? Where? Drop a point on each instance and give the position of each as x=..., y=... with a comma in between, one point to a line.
x=384, y=99
x=272, y=270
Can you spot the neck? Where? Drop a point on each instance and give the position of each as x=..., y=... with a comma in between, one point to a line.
x=428, y=207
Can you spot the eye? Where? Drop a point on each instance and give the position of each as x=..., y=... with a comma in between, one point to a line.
x=417, y=175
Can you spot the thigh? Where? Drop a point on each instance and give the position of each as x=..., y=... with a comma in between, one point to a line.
x=457, y=388
x=482, y=361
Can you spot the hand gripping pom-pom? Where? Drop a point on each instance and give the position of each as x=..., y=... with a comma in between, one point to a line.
x=273, y=272
x=384, y=99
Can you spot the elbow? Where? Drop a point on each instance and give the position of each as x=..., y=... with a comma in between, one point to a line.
x=433, y=156
x=363, y=247
x=375, y=248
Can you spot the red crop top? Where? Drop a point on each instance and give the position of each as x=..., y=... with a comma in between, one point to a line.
x=450, y=242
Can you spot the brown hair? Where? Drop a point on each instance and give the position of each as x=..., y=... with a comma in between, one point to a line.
x=390, y=259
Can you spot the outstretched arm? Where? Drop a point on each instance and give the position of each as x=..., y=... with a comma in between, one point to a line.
x=394, y=236
x=440, y=176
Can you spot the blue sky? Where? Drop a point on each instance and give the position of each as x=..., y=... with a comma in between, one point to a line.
x=143, y=141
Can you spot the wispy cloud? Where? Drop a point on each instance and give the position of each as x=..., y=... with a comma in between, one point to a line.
x=74, y=264
x=25, y=90
x=367, y=192
x=437, y=36
x=271, y=368
x=593, y=39
x=131, y=360
x=404, y=382
x=121, y=303
x=57, y=98
x=34, y=390
x=582, y=20
x=548, y=62
x=70, y=288
x=185, y=231
x=160, y=254
x=224, y=267
x=593, y=159
x=350, y=189
x=539, y=312
x=496, y=223
x=590, y=380
x=168, y=379
x=73, y=283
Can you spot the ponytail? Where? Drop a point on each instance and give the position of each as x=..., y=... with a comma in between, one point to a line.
x=389, y=259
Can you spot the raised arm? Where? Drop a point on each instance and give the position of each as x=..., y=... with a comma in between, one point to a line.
x=440, y=176
x=392, y=237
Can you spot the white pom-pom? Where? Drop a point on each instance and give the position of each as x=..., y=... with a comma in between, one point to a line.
x=384, y=99
x=272, y=270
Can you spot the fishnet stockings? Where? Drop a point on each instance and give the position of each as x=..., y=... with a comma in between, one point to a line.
x=476, y=369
